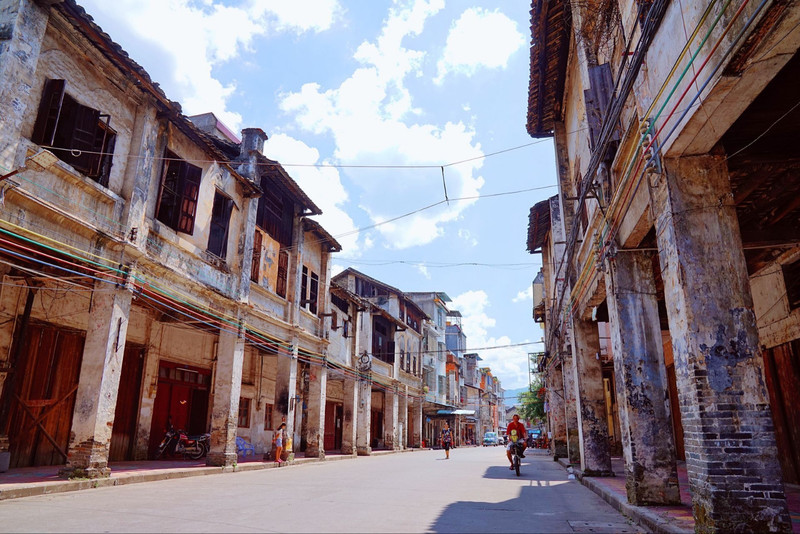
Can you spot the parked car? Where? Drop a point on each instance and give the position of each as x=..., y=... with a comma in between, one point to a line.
x=490, y=438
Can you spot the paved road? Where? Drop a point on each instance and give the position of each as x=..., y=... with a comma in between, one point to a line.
x=419, y=491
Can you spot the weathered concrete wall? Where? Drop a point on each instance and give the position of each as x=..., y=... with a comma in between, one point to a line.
x=96, y=398
x=591, y=408
x=364, y=413
x=556, y=414
x=651, y=475
x=731, y=455
x=315, y=425
x=225, y=400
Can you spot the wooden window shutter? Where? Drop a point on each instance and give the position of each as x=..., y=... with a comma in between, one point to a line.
x=44, y=129
x=597, y=98
x=304, y=288
x=283, y=273
x=313, y=293
x=255, y=268
x=189, y=176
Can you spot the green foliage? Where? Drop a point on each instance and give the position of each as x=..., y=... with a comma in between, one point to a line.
x=532, y=403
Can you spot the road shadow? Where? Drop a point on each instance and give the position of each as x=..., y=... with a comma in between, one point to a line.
x=547, y=502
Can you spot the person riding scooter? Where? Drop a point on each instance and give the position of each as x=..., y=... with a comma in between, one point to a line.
x=515, y=432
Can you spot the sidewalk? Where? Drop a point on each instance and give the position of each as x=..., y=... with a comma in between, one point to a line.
x=30, y=481
x=667, y=519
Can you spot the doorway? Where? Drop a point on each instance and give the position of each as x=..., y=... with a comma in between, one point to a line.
x=123, y=434
x=43, y=391
x=334, y=414
x=181, y=400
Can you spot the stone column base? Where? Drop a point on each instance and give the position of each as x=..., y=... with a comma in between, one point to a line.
x=221, y=459
x=84, y=472
x=364, y=451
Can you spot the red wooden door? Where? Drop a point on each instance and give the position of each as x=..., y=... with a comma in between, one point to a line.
x=330, y=433
x=123, y=434
x=44, y=383
x=181, y=399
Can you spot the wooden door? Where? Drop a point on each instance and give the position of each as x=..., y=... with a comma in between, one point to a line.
x=337, y=427
x=181, y=399
x=782, y=371
x=675, y=410
x=330, y=433
x=44, y=383
x=123, y=434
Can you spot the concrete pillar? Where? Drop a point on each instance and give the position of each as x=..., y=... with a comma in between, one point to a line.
x=364, y=419
x=150, y=381
x=731, y=454
x=403, y=417
x=315, y=411
x=570, y=407
x=416, y=413
x=651, y=475
x=350, y=419
x=285, y=391
x=591, y=402
x=556, y=412
x=225, y=403
x=390, y=406
x=96, y=398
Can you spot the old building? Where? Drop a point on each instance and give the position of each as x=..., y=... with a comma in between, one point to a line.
x=156, y=269
x=675, y=225
x=392, y=342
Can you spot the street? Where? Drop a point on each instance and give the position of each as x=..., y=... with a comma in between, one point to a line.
x=420, y=491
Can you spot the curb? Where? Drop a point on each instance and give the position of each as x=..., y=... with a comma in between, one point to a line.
x=638, y=514
x=35, y=489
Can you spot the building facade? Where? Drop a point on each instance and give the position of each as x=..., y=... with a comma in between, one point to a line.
x=670, y=130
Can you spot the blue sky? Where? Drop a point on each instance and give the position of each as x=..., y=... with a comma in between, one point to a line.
x=364, y=103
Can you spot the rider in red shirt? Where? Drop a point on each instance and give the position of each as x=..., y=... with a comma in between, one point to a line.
x=515, y=432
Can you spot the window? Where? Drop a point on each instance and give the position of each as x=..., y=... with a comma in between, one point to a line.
x=791, y=278
x=255, y=266
x=268, y=417
x=243, y=420
x=313, y=293
x=382, y=345
x=180, y=185
x=79, y=135
x=275, y=212
x=283, y=273
x=309, y=290
x=220, y=222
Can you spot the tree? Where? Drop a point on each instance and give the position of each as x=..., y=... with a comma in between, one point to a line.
x=532, y=402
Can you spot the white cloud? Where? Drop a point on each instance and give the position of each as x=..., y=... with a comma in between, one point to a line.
x=510, y=364
x=525, y=294
x=466, y=235
x=372, y=120
x=479, y=39
x=186, y=40
x=322, y=184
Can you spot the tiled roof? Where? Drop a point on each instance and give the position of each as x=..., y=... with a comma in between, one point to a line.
x=551, y=26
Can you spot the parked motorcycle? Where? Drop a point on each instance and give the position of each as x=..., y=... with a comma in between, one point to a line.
x=176, y=442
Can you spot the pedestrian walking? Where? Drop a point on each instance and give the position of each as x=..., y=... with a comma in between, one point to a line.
x=447, y=440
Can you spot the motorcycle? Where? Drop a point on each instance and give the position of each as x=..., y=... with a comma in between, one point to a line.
x=516, y=452
x=176, y=442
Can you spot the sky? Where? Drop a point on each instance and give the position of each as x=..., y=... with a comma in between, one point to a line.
x=404, y=121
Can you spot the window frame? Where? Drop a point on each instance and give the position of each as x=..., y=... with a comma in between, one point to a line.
x=221, y=214
x=178, y=212
x=243, y=413
x=78, y=135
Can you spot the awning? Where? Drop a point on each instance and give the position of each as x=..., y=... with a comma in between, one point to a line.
x=456, y=412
